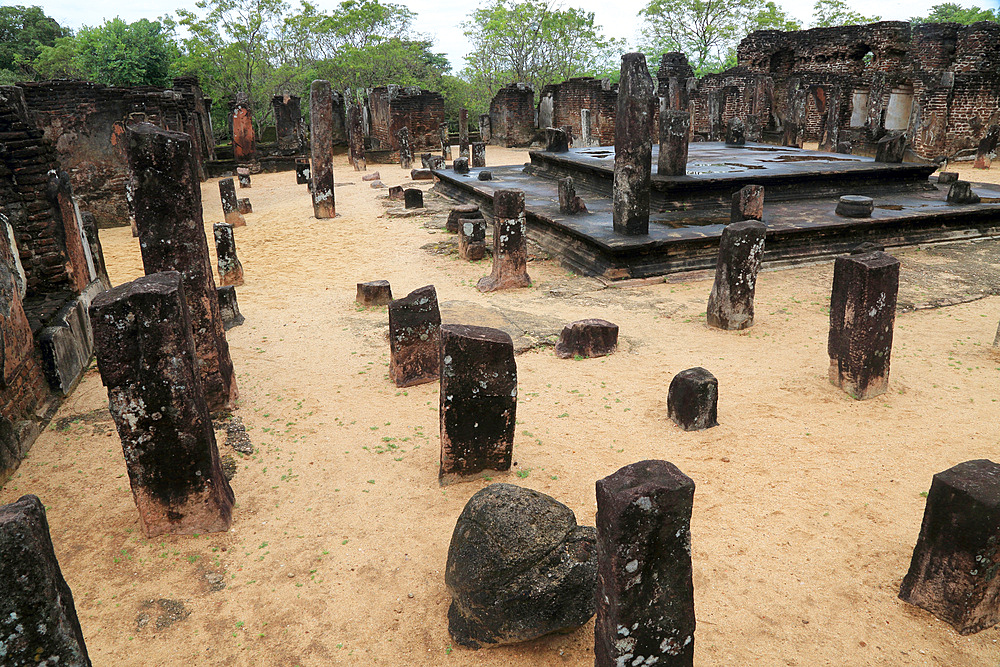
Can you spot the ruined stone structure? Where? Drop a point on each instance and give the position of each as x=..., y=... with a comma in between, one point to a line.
x=560, y=105
x=394, y=107
x=321, y=136
x=512, y=116
x=241, y=124
x=415, y=338
x=288, y=123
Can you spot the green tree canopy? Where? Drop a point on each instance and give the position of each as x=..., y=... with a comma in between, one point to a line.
x=126, y=54
x=950, y=12
x=827, y=13
x=24, y=31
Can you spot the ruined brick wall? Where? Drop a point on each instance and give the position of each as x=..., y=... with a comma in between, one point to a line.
x=568, y=98
x=738, y=92
x=420, y=111
x=512, y=116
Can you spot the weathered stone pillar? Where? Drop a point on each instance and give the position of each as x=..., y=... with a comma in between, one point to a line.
x=693, y=399
x=675, y=133
x=229, y=308
x=587, y=338
x=459, y=213
x=748, y=204
x=302, y=170
x=862, y=314
x=445, y=141
x=556, y=140
x=569, y=203
x=413, y=198
x=485, y=128
x=478, y=400
x=892, y=147
x=230, y=204
x=953, y=573
x=461, y=165
x=230, y=268
x=288, y=122
x=356, y=137
x=243, y=176
x=244, y=140
x=172, y=238
x=633, y=146
x=478, y=154
x=39, y=624
x=960, y=192
x=463, y=133
x=585, y=134
x=510, y=243
x=321, y=138
x=741, y=248
x=374, y=293
x=472, y=237
x=142, y=336
x=405, y=149
x=736, y=136
x=415, y=338
x=645, y=592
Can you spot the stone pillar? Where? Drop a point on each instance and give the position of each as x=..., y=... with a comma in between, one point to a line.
x=862, y=314
x=645, y=592
x=587, y=338
x=459, y=213
x=736, y=136
x=675, y=132
x=693, y=399
x=413, y=198
x=229, y=308
x=960, y=192
x=356, y=137
x=741, y=248
x=569, y=203
x=463, y=133
x=556, y=140
x=244, y=205
x=633, y=147
x=892, y=147
x=445, y=141
x=748, y=204
x=39, y=623
x=244, y=140
x=461, y=165
x=288, y=122
x=374, y=293
x=142, y=336
x=243, y=176
x=230, y=268
x=855, y=206
x=478, y=154
x=510, y=243
x=415, y=338
x=472, y=238
x=485, y=128
x=585, y=134
x=954, y=566
x=230, y=203
x=478, y=401
x=301, y=170
x=321, y=138
x=172, y=238
x=405, y=149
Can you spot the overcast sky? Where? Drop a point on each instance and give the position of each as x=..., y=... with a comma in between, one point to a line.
x=441, y=19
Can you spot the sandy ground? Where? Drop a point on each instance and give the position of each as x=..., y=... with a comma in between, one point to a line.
x=807, y=507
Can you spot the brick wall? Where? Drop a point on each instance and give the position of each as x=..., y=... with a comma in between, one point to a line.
x=512, y=116
x=570, y=97
x=420, y=111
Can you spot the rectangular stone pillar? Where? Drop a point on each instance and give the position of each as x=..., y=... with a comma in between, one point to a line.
x=230, y=203
x=478, y=401
x=356, y=137
x=675, y=132
x=288, y=122
x=244, y=139
x=485, y=128
x=633, y=147
x=741, y=249
x=645, y=593
x=146, y=357
x=445, y=141
x=321, y=137
x=405, y=149
x=415, y=338
x=463, y=133
x=585, y=134
x=748, y=204
x=862, y=314
x=510, y=243
x=230, y=268
x=171, y=230
x=478, y=154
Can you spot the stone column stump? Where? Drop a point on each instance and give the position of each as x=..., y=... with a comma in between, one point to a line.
x=748, y=204
x=301, y=170
x=230, y=204
x=230, y=268
x=741, y=248
x=415, y=338
x=569, y=202
x=961, y=192
x=510, y=243
x=587, y=338
x=244, y=206
x=693, y=399
x=947, y=177
x=855, y=206
x=321, y=139
x=472, y=238
x=243, y=176
x=374, y=293
x=229, y=308
x=478, y=154
x=556, y=140
x=633, y=147
x=413, y=198
x=675, y=133
x=459, y=213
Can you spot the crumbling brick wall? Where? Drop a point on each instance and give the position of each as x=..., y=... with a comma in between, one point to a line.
x=560, y=105
x=394, y=107
x=512, y=116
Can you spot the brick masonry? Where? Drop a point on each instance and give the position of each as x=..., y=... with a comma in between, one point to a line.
x=512, y=116
x=392, y=108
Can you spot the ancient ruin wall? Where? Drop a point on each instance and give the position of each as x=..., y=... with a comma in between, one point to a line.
x=420, y=111
x=512, y=116
x=560, y=105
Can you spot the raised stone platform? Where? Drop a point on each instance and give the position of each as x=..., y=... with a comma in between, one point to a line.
x=689, y=212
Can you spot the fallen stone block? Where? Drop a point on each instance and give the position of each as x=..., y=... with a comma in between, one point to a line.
x=374, y=293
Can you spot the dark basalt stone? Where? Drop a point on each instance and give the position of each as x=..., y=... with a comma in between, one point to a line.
x=693, y=398
x=229, y=309
x=748, y=204
x=645, y=591
x=413, y=198
x=230, y=204
x=633, y=147
x=519, y=567
x=415, y=338
x=953, y=573
x=478, y=154
x=374, y=293
x=892, y=147
x=230, y=268
x=321, y=130
x=741, y=249
x=675, y=132
x=587, y=338
x=510, y=243
x=855, y=206
x=556, y=140
x=736, y=133
x=961, y=192
x=461, y=165
x=569, y=203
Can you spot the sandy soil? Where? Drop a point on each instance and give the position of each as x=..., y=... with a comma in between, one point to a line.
x=807, y=507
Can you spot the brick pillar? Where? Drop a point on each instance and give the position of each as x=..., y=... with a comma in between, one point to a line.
x=633, y=147
x=321, y=137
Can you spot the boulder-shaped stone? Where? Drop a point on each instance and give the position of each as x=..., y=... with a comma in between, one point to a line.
x=478, y=401
x=377, y=185
x=301, y=170
x=569, y=202
x=461, y=165
x=229, y=308
x=947, y=177
x=741, y=249
x=736, y=136
x=645, y=589
x=519, y=567
x=459, y=213
x=675, y=133
x=635, y=112
x=244, y=205
x=478, y=154
x=953, y=573
x=485, y=175
x=374, y=293
x=38, y=621
x=891, y=147
x=556, y=140
x=472, y=238
x=855, y=206
x=961, y=192
x=510, y=243
x=372, y=176
x=230, y=267
x=748, y=204
x=862, y=314
x=413, y=198
x=693, y=399
x=230, y=203
x=421, y=175
x=415, y=338
x=587, y=338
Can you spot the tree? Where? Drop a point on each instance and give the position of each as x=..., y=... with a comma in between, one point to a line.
x=950, y=12
x=827, y=13
x=126, y=54
x=59, y=61
x=708, y=31
x=24, y=31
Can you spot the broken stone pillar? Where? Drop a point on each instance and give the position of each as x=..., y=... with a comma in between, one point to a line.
x=862, y=314
x=321, y=139
x=172, y=238
x=142, y=336
x=752, y=127
x=459, y=213
x=586, y=138
x=953, y=572
x=510, y=243
x=374, y=293
x=245, y=206
x=891, y=147
x=425, y=160
x=569, y=203
x=947, y=177
x=485, y=175
x=229, y=308
x=356, y=137
x=730, y=305
x=478, y=401
x=675, y=133
x=243, y=176
x=633, y=147
x=463, y=133
x=396, y=193
x=421, y=175
x=556, y=140
x=461, y=165
x=855, y=206
x=961, y=192
x=230, y=204
x=587, y=338
x=485, y=128
x=230, y=268
x=987, y=146
x=415, y=338
x=472, y=238
x=301, y=170
x=645, y=589
x=413, y=198
x=478, y=154
x=436, y=162
x=445, y=141
x=735, y=133
x=288, y=122
x=244, y=141
x=748, y=204
x=405, y=149
x=38, y=620
x=693, y=399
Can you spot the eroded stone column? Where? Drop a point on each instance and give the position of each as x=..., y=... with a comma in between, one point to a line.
x=230, y=203
x=987, y=146
x=675, y=133
x=478, y=154
x=569, y=202
x=405, y=149
x=243, y=176
x=478, y=400
x=415, y=338
x=862, y=315
x=633, y=147
x=145, y=353
x=510, y=243
x=230, y=268
x=321, y=139
x=302, y=170
x=374, y=293
x=960, y=192
x=556, y=140
x=748, y=204
x=585, y=134
x=356, y=137
x=445, y=141
x=463, y=133
x=172, y=238
x=485, y=128
x=472, y=238
x=229, y=307
x=693, y=399
x=38, y=621
x=741, y=249
x=645, y=592
x=736, y=136
x=244, y=140
x=587, y=338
